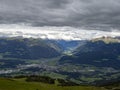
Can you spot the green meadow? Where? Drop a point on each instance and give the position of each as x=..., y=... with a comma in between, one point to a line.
x=21, y=84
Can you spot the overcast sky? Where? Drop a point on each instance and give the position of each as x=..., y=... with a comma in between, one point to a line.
x=102, y=14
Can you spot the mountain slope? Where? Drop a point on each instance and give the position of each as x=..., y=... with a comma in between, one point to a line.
x=97, y=53
x=67, y=45
x=21, y=84
x=23, y=48
x=96, y=60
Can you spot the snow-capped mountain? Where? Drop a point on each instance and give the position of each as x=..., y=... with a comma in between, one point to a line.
x=54, y=33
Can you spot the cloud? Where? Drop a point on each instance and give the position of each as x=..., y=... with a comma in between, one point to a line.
x=99, y=14
x=53, y=32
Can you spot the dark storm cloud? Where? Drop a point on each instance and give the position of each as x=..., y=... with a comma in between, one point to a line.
x=81, y=13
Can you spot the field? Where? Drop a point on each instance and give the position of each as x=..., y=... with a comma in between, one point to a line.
x=21, y=84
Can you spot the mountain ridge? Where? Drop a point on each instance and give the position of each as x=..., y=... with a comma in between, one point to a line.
x=25, y=48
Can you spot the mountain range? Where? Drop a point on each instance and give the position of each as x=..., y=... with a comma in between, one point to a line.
x=102, y=52
x=24, y=48
x=82, y=61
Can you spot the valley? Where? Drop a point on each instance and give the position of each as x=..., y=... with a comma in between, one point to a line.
x=81, y=65
x=59, y=45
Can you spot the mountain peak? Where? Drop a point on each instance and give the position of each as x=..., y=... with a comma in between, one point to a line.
x=107, y=39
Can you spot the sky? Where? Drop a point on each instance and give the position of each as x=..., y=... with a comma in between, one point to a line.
x=87, y=14
x=54, y=32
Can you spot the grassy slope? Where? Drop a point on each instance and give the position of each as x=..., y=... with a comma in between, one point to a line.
x=9, y=84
